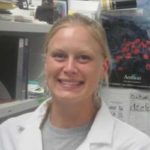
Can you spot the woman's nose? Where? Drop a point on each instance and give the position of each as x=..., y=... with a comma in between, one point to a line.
x=70, y=67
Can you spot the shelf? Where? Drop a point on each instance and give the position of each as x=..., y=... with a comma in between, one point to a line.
x=14, y=108
x=8, y=26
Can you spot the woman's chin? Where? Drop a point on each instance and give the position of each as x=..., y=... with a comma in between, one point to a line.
x=67, y=96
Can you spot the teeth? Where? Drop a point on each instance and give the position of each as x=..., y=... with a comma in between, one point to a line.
x=70, y=83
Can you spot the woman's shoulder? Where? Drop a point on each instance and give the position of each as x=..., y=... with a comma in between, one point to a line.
x=15, y=122
x=25, y=118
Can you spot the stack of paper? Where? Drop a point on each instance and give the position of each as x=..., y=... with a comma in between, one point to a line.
x=5, y=7
x=7, y=4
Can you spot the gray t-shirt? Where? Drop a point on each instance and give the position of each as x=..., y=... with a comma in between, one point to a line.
x=63, y=139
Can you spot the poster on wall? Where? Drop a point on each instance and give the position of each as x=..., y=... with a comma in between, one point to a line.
x=128, y=33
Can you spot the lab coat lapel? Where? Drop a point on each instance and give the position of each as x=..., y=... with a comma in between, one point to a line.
x=30, y=139
x=103, y=127
x=84, y=146
x=30, y=136
x=101, y=131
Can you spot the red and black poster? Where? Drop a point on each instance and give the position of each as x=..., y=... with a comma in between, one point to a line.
x=128, y=37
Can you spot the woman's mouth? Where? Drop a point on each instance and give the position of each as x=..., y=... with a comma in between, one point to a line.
x=65, y=83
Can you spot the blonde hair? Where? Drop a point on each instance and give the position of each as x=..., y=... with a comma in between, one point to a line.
x=95, y=29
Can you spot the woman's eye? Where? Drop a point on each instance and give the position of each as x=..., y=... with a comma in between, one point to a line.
x=59, y=56
x=84, y=58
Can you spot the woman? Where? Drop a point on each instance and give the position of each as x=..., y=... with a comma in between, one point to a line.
x=76, y=62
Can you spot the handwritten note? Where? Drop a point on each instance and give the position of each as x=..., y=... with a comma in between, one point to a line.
x=139, y=114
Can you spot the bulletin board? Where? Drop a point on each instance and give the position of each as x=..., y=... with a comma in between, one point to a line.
x=128, y=34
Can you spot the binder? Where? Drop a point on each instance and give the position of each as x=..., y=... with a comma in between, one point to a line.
x=22, y=71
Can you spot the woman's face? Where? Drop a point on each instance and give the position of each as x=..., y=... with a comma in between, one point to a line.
x=74, y=64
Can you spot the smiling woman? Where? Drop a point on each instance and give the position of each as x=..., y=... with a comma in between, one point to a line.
x=77, y=67
x=74, y=118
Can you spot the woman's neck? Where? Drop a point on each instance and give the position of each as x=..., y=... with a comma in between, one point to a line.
x=72, y=115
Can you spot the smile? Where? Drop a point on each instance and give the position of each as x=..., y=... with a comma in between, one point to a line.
x=70, y=83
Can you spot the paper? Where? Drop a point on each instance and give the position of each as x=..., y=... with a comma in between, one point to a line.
x=139, y=115
x=129, y=105
x=118, y=102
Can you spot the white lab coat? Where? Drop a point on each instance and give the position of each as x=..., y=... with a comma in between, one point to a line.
x=106, y=133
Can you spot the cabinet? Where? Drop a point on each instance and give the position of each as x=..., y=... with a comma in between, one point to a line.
x=35, y=34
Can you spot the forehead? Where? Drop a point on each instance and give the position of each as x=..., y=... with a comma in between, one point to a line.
x=74, y=38
x=76, y=32
x=74, y=29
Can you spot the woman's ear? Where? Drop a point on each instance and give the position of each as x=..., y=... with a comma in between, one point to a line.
x=45, y=64
x=105, y=68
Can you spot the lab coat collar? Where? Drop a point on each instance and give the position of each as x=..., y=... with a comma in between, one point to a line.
x=101, y=131
x=37, y=116
x=103, y=126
